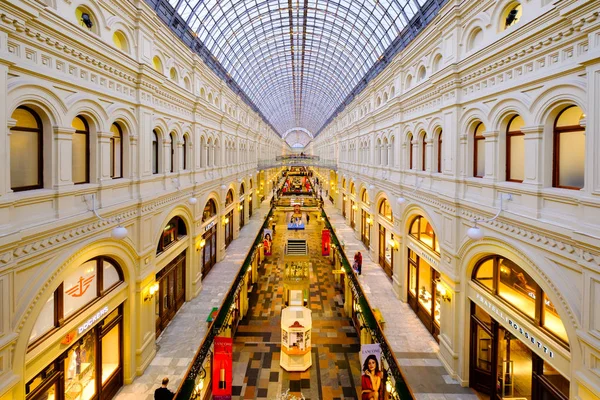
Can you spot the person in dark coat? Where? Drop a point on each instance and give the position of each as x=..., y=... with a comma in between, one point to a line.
x=162, y=393
x=358, y=262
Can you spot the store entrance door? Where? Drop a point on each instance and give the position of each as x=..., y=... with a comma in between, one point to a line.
x=171, y=292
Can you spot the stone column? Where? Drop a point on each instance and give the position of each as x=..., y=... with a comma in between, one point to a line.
x=63, y=150
x=399, y=266
x=462, y=148
x=5, y=183
x=429, y=166
x=491, y=155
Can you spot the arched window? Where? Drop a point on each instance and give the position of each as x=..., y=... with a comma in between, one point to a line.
x=116, y=151
x=86, y=19
x=157, y=64
x=250, y=183
x=364, y=197
x=187, y=83
x=479, y=151
x=515, y=150
x=384, y=152
x=511, y=16
x=569, y=149
x=422, y=73
x=173, y=75
x=120, y=41
x=93, y=279
x=81, y=151
x=209, y=162
x=154, y=152
x=210, y=210
x=423, y=152
x=172, y=137
x=379, y=151
x=437, y=62
x=242, y=190
x=408, y=82
x=475, y=39
x=508, y=282
x=184, y=152
x=26, y=151
x=352, y=188
x=229, y=198
x=422, y=230
x=171, y=233
x=439, y=152
x=410, y=151
x=385, y=210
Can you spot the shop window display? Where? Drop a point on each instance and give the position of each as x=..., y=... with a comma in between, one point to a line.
x=423, y=296
x=80, y=371
x=422, y=230
x=515, y=287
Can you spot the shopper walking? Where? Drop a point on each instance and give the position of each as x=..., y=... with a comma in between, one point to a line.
x=162, y=393
x=358, y=261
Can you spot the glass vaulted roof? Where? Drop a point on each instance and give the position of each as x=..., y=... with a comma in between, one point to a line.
x=298, y=61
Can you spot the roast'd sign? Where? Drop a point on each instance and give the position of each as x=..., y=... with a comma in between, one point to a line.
x=525, y=335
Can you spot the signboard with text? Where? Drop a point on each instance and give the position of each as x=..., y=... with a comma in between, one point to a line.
x=222, y=369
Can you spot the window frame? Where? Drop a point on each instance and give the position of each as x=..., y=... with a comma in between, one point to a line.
x=509, y=136
x=476, y=139
x=178, y=231
x=112, y=150
x=155, y=160
x=439, y=152
x=556, y=149
x=87, y=148
x=40, y=156
x=424, y=152
x=434, y=240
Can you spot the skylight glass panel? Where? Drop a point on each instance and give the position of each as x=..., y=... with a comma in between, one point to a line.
x=297, y=81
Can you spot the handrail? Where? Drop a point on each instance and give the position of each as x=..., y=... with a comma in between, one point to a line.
x=186, y=388
x=371, y=323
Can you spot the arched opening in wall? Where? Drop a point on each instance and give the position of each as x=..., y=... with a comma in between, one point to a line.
x=508, y=358
x=439, y=150
x=408, y=82
x=228, y=219
x=155, y=142
x=120, y=41
x=569, y=149
x=384, y=152
x=242, y=206
x=187, y=84
x=157, y=64
x=209, y=151
x=81, y=150
x=475, y=38
x=511, y=16
x=86, y=19
x=378, y=101
x=437, y=63
x=378, y=151
x=386, y=237
x=26, y=150
x=392, y=92
x=202, y=93
x=173, y=75
x=209, y=237
x=116, y=151
x=479, y=151
x=185, y=152
x=515, y=150
x=410, y=143
x=423, y=146
x=385, y=97
x=171, y=279
x=88, y=359
x=172, y=144
x=424, y=295
x=422, y=73
x=365, y=218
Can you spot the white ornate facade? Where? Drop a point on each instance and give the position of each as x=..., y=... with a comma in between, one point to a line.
x=156, y=127
x=463, y=70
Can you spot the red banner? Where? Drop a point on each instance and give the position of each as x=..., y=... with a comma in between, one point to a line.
x=325, y=242
x=222, y=368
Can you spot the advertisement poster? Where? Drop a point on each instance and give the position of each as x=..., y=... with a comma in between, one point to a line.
x=325, y=242
x=371, y=379
x=267, y=241
x=222, y=369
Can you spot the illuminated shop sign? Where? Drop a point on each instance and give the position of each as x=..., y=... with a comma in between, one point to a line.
x=525, y=335
x=210, y=225
x=94, y=318
x=423, y=254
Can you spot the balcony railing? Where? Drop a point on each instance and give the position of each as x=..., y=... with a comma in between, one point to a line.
x=298, y=161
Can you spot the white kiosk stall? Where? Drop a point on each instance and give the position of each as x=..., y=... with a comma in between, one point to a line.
x=296, y=324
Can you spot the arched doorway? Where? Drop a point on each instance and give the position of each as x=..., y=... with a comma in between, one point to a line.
x=423, y=262
x=209, y=238
x=228, y=220
x=171, y=278
x=88, y=360
x=386, y=237
x=241, y=207
x=515, y=335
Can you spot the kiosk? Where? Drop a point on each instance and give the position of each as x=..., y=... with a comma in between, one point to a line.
x=296, y=324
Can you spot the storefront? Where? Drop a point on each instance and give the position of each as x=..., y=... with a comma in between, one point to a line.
x=250, y=205
x=228, y=219
x=424, y=295
x=365, y=228
x=352, y=214
x=344, y=198
x=209, y=251
x=241, y=206
x=87, y=360
x=518, y=347
x=386, y=238
x=171, y=292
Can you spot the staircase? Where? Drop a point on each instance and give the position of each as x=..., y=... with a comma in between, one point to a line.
x=296, y=247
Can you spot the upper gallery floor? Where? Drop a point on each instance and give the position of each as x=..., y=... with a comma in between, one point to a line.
x=102, y=98
x=491, y=98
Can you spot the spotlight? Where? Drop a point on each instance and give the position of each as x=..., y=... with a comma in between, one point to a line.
x=85, y=18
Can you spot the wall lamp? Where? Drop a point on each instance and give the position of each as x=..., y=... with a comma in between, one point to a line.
x=355, y=207
x=225, y=220
x=118, y=231
x=369, y=220
x=201, y=244
x=476, y=233
x=418, y=182
x=151, y=291
x=443, y=292
x=392, y=242
x=240, y=207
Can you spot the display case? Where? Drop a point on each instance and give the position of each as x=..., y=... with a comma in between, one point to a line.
x=296, y=324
